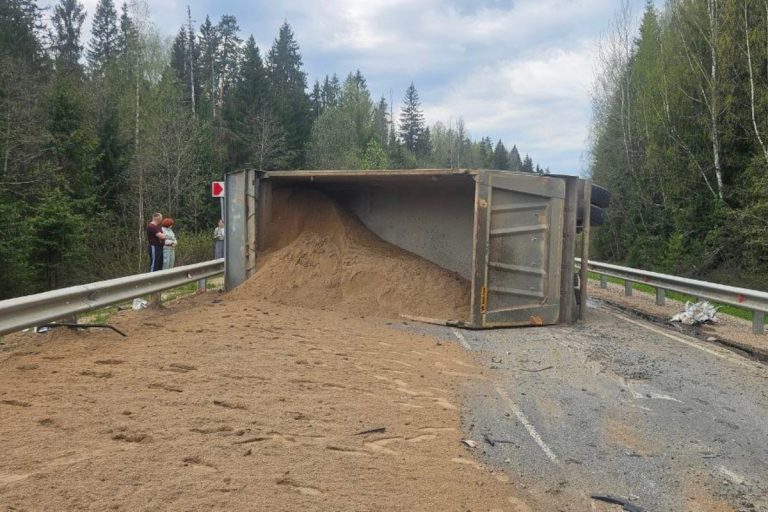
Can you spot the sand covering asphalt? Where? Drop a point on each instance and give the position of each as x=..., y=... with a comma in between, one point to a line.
x=320, y=256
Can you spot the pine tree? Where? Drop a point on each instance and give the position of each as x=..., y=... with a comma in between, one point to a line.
x=68, y=17
x=527, y=164
x=411, y=119
x=424, y=144
x=103, y=46
x=500, y=157
x=288, y=83
x=515, y=163
x=209, y=47
x=227, y=56
x=127, y=35
x=316, y=100
x=381, y=122
x=331, y=92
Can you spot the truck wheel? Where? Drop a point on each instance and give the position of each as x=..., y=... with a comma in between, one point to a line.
x=596, y=216
x=600, y=196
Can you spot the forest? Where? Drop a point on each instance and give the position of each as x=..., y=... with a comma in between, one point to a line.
x=680, y=136
x=99, y=130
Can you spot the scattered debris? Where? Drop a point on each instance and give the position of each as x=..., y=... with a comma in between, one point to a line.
x=625, y=503
x=379, y=430
x=469, y=442
x=74, y=325
x=539, y=370
x=139, y=304
x=697, y=314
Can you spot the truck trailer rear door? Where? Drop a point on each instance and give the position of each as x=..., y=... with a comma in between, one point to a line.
x=519, y=249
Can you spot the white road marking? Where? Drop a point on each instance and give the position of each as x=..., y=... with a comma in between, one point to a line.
x=461, y=339
x=528, y=426
x=682, y=340
x=643, y=391
x=733, y=477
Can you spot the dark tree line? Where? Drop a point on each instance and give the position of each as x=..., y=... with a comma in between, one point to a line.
x=99, y=130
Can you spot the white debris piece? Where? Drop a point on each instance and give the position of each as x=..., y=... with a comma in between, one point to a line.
x=696, y=314
x=139, y=304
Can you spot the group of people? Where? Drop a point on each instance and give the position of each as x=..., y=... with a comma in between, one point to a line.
x=162, y=242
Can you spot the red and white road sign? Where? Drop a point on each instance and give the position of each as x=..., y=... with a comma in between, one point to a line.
x=217, y=189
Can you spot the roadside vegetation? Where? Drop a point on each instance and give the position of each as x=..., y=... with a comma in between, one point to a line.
x=99, y=130
x=680, y=136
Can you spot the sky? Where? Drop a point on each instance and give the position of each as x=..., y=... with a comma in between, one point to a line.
x=516, y=70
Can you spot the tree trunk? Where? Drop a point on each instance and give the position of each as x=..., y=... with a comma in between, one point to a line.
x=713, y=103
x=752, y=84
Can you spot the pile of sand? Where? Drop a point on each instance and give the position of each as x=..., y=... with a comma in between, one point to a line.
x=319, y=256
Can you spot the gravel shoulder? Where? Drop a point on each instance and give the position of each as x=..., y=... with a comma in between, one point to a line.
x=729, y=328
x=223, y=404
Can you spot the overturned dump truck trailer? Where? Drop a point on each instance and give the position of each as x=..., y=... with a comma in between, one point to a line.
x=512, y=235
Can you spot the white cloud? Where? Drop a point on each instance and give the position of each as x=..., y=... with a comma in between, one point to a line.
x=519, y=70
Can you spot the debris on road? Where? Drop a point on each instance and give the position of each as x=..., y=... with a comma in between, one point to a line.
x=625, y=503
x=539, y=370
x=696, y=314
x=469, y=442
x=73, y=325
x=379, y=430
x=139, y=304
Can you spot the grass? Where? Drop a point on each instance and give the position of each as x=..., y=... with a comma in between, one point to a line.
x=726, y=309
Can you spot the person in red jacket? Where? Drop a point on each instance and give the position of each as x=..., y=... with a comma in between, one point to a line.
x=156, y=239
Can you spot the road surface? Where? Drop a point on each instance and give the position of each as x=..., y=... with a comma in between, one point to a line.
x=621, y=407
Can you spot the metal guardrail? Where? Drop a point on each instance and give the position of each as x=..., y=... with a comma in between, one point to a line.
x=30, y=310
x=744, y=298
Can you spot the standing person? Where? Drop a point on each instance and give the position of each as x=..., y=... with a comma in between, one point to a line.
x=218, y=236
x=156, y=239
x=169, y=249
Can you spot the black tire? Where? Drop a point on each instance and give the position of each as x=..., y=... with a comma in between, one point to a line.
x=596, y=216
x=600, y=196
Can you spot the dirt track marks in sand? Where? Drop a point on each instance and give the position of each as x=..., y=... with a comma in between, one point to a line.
x=267, y=414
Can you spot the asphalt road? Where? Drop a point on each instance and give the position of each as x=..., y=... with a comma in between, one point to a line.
x=619, y=406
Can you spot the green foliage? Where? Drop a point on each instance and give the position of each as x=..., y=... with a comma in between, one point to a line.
x=678, y=137
x=88, y=154
x=374, y=156
x=56, y=234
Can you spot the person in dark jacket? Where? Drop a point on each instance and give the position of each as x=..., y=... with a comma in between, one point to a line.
x=156, y=239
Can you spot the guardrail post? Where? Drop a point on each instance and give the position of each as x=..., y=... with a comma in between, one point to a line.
x=627, y=288
x=202, y=285
x=155, y=300
x=660, y=298
x=603, y=281
x=758, y=322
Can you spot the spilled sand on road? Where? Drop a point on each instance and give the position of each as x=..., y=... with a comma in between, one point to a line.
x=320, y=256
x=227, y=404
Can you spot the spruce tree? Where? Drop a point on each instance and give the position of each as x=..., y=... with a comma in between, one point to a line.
x=316, y=100
x=500, y=157
x=127, y=35
x=68, y=17
x=381, y=122
x=209, y=46
x=528, y=164
x=330, y=92
x=288, y=84
x=411, y=119
x=105, y=36
x=228, y=55
x=515, y=163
